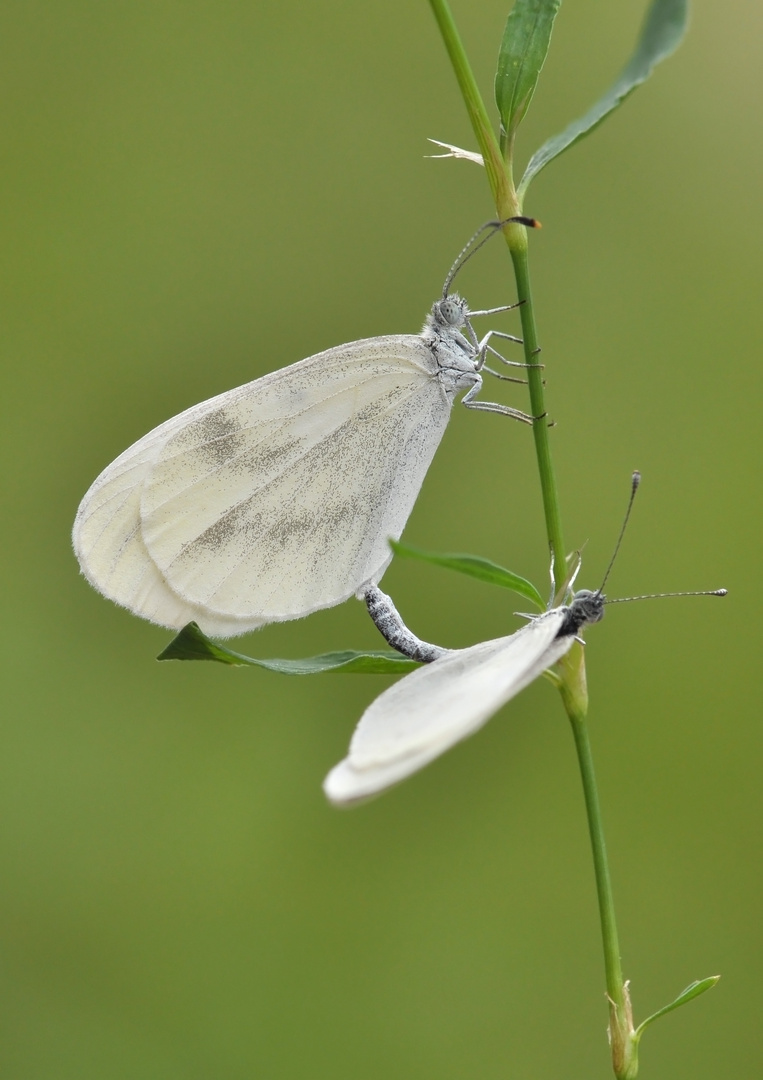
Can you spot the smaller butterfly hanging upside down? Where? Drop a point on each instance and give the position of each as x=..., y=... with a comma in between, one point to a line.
x=277, y=499
x=427, y=712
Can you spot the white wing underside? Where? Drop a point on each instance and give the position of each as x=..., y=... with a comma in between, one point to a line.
x=270, y=501
x=436, y=706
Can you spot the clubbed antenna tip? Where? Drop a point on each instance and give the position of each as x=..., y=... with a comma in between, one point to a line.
x=635, y=481
x=471, y=248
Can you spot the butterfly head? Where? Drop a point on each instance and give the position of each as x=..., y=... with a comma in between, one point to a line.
x=585, y=607
x=451, y=312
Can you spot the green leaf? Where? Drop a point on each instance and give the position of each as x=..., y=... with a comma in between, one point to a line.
x=692, y=990
x=520, y=59
x=476, y=567
x=661, y=34
x=192, y=644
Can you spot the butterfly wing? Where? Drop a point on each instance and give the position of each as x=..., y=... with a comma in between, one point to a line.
x=108, y=539
x=428, y=711
x=272, y=500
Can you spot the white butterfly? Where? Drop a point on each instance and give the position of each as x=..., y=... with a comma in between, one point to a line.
x=276, y=499
x=436, y=706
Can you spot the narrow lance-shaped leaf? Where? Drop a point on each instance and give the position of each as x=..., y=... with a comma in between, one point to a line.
x=520, y=59
x=192, y=644
x=474, y=566
x=663, y=28
x=699, y=986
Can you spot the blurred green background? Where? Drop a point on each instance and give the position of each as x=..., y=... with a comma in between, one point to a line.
x=196, y=193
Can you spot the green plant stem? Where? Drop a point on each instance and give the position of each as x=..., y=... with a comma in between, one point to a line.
x=502, y=186
x=624, y=1049
x=571, y=676
x=499, y=177
x=519, y=255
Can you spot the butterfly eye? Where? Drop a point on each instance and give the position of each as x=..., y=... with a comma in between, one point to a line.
x=451, y=311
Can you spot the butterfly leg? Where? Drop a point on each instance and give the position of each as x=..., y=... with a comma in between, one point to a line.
x=492, y=406
x=484, y=346
x=392, y=628
x=497, y=310
x=497, y=374
x=553, y=579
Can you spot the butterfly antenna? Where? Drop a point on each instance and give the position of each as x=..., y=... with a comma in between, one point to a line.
x=468, y=250
x=660, y=595
x=635, y=481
